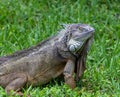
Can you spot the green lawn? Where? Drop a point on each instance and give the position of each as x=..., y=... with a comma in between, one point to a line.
x=24, y=23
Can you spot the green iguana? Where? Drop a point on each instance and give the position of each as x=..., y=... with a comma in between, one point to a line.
x=65, y=53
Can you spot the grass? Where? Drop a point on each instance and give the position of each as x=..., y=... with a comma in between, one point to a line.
x=24, y=23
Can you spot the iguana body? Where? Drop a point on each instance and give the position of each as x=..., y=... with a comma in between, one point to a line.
x=39, y=64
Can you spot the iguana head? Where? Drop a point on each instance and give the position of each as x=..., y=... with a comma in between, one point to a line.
x=79, y=40
x=78, y=34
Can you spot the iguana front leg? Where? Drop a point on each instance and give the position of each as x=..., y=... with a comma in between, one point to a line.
x=69, y=74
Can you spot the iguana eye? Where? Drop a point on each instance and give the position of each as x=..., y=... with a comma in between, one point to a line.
x=82, y=29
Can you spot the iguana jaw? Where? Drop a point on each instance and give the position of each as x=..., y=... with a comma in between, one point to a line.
x=77, y=48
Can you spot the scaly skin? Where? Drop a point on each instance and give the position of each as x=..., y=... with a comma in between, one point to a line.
x=49, y=59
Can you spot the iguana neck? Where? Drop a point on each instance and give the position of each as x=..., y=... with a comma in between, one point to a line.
x=62, y=48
